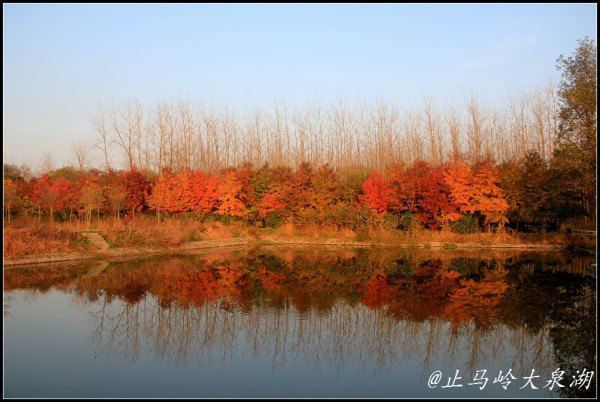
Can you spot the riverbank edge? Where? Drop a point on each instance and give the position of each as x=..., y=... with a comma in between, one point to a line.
x=270, y=240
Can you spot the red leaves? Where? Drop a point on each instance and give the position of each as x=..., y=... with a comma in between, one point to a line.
x=419, y=189
x=64, y=195
x=475, y=190
x=54, y=195
x=376, y=194
x=199, y=192
x=434, y=203
x=435, y=194
x=271, y=202
x=231, y=195
x=137, y=189
x=202, y=192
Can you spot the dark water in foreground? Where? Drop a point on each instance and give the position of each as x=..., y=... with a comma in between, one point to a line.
x=313, y=322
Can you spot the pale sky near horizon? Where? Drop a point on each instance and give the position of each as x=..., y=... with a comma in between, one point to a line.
x=61, y=61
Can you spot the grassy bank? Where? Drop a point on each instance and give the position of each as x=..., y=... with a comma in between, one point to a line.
x=27, y=238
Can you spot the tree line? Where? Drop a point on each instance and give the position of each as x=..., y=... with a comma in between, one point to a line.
x=531, y=166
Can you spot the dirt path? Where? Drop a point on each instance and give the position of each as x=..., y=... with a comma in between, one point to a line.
x=96, y=240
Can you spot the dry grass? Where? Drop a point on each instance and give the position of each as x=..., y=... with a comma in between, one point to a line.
x=40, y=239
x=141, y=231
x=28, y=236
x=144, y=231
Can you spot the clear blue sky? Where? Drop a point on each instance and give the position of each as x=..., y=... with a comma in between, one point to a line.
x=60, y=61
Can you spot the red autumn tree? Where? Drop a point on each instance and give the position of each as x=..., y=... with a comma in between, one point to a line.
x=488, y=198
x=41, y=194
x=403, y=188
x=12, y=197
x=458, y=177
x=202, y=192
x=231, y=195
x=64, y=196
x=137, y=189
x=377, y=194
x=272, y=202
x=433, y=203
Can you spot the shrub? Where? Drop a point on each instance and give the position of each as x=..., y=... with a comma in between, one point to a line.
x=465, y=224
x=347, y=216
x=391, y=221
x=362, y=233
x=273, y=220
x=408, y=221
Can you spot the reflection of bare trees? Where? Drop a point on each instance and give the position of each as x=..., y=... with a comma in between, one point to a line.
x=6, y=303
x=370, y=339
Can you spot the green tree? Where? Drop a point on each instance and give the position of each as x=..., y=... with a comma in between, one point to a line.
x=573, y=171
x=528, y=193
x=570, y=183
x=577, y=93
x=12, y=172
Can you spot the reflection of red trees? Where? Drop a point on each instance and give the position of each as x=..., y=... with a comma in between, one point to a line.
x=426, y=295
x=477, y=299
x=416, y=292
x=436, y=292
x=41, y=279
x=231, y=281
x=187, y=289
x=271, y=281
x=378, y=292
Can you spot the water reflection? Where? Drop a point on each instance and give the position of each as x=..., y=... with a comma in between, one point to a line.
x=331, y=308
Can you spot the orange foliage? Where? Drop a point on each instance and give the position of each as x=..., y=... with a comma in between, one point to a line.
x=476, y=191
x=487, y=197
x=231, y=195
x=477, y=299
x=378, y=292
x=271, y=202
x=377, y=194
x=202, y=192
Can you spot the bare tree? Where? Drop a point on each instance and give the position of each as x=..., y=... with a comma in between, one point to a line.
x=182, y=134
x=127, y=125
x=47, y=163
x=80, y=154
x=103, y=140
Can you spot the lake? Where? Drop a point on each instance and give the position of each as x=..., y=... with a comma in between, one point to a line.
x=302, y=322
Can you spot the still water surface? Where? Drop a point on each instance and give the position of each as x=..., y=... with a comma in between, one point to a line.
x=299, y=322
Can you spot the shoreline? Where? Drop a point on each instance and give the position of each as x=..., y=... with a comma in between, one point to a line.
x=272, y=240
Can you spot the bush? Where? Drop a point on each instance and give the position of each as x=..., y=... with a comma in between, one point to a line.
x=347, y=216
x=466, y=224
x=391, y=221
x=408, y=221
x=273, y=220
x=362, y=233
